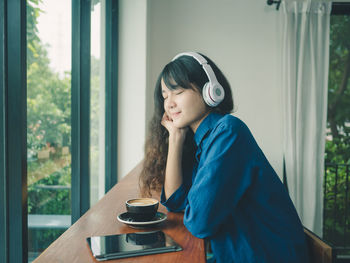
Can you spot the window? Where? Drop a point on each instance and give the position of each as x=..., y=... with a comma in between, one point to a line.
x=337, y=158
x=48, y=122
x=97, y=123
x=46, y=140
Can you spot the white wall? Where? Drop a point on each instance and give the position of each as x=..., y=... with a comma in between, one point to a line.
x=132, y=83
x=242, y=37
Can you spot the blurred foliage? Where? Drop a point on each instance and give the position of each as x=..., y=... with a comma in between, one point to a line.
x=48, y=95
x=337, y=155
x=40, y=239
x=338, y=119
x=45, y=200
x=42, y=168
x=336, y=208
x=49, y=129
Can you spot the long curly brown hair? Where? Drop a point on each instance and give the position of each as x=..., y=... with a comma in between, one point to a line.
x=187, y=73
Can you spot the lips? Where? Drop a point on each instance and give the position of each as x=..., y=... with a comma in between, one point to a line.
x=175, y=115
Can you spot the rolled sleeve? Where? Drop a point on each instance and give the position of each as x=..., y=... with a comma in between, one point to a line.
x=177, y=201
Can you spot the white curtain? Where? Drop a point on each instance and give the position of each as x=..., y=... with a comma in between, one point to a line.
x=305, y=57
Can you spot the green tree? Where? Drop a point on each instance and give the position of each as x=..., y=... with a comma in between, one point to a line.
x=338, y=142
x=48, y=96
x=48, y=122
x=339, y=91
x=33, y=41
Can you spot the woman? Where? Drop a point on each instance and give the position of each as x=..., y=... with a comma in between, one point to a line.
x=206, y=163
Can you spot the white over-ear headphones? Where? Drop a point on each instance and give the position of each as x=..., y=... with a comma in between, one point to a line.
x=213, y=93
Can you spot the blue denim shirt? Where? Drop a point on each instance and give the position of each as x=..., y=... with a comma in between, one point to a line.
x=234, y=198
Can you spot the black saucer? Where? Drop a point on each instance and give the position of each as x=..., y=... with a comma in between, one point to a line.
x=130, y=221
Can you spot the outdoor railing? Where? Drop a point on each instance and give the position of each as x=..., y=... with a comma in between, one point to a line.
x=336, y=213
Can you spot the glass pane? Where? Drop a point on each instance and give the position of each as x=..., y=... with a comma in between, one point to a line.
x=48, y=121
x=97, y=121
x=336, y=223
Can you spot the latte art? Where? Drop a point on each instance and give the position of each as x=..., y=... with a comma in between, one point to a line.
x=142, y=202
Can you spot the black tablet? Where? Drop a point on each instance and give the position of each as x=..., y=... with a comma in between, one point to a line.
x=131, y=245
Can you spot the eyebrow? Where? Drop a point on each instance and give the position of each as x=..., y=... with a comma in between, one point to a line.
x=174, y=87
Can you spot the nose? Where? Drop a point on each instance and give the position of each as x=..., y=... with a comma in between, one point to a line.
x=169, y=102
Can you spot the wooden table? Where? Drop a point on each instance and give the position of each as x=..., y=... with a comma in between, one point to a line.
x=101, y=219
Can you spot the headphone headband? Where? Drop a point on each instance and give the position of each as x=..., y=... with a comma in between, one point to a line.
x=203, y=62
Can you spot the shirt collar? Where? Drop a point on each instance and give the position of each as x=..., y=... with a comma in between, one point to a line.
x=205, y=126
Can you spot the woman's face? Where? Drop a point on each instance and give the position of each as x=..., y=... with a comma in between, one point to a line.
x=185, y=107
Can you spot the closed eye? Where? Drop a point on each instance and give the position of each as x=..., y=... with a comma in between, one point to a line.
x=179, y=92
x=164, y=94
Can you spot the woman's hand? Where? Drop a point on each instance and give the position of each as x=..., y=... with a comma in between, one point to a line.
x=177, y=134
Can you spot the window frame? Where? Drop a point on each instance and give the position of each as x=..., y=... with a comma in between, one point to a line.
x=80, y=113
x=111, y=123
x=3, y=188
x=13, y=152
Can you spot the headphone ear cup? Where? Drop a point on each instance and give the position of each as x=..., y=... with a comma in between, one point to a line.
x=217, y=93
x=205, y=94
x=213, y=94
